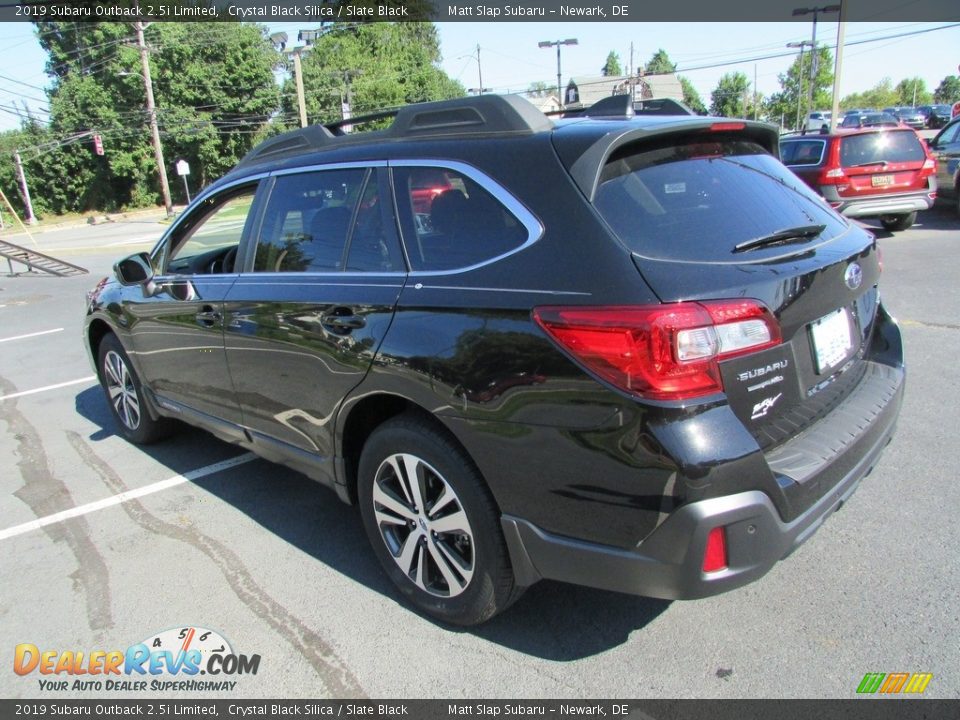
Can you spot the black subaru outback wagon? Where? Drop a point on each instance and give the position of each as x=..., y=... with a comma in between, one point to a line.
x=632, y=353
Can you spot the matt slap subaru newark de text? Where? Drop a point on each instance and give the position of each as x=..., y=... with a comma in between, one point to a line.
x=571, y=11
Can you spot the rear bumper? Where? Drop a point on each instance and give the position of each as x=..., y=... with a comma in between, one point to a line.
x=668, y=563
x=886, y=204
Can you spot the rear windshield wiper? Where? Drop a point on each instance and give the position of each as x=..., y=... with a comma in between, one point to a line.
x=781, y=237
x=872, y=162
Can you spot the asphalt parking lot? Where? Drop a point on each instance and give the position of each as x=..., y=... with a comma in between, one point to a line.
x=193, y=532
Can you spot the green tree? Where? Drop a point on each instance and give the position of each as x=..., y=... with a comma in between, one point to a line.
x=385, y=65
x=660, y=64
x=728, y=99
x=612, y=66
x=913, y=91
x=795, y=89
x=540, y=89
x=214, y=90
x=691, y=98
x=879, y=96
x=948, y=91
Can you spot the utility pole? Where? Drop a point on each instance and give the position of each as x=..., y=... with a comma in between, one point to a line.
x=24, y=190
x=814, y=59
x=838, y=66
x=802, y=44
x=152, y=114
x=298, y=77
x=558, y=44
x=480, y=72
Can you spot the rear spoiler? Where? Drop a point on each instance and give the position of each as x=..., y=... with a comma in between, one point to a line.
x=586, y=166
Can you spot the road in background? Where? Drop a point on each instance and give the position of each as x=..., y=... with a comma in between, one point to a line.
x=278, y=567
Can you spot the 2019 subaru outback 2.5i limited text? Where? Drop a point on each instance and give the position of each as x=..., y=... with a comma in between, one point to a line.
x=636, y=354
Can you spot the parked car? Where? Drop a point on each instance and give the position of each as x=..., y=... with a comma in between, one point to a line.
x=637, y=353
x=869, y=119
x=909, y=116
x=935, y=116
x=867, y=173
x=946, y=148
x=818, y=120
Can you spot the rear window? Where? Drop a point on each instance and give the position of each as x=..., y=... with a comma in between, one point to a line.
x=696, y=200
x=802, y=152
x=891, y=146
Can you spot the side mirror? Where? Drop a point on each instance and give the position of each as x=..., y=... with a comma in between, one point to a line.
x=134, y=270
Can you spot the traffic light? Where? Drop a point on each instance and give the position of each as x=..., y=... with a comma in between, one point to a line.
x=98, y=145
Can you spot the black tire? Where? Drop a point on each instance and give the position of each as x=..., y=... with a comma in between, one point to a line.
x=895, y=223
x=473, y=556
x=124, y=394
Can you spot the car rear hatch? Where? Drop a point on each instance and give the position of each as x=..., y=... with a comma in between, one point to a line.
x=865, y=165
x=709, y=214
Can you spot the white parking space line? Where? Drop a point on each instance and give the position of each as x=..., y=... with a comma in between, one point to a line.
x=125, y=496
x=11, y=396
x=30, y=335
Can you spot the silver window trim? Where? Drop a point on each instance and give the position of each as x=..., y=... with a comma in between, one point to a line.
x=202, y=197
x=529, y=221
x=823, y=149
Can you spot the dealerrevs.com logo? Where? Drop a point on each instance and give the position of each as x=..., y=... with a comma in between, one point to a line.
x=172, y=660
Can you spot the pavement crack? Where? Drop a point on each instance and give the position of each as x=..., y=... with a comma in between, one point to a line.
x=45, y=494
x=332, y=671
x=922, y=323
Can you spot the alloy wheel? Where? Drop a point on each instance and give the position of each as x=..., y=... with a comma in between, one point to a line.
x=121, y=390
x=423, y=524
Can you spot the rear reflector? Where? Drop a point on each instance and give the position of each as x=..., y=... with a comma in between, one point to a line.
x=715, y=555
x=661, y=352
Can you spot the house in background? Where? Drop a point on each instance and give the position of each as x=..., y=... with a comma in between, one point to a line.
x=546, y=103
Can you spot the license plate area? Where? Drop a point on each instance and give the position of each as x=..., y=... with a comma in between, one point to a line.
x=832, y=340
x=881, y=180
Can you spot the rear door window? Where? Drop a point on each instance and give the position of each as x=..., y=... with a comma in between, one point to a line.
x=697, y=199
x=872, y=148
x=327, y=221
x=802, y=152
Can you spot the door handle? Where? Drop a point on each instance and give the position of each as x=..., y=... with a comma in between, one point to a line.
x=208, y=316
x=342, y=323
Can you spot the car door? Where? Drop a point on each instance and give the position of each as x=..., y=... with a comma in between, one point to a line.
x=946, y=149
x=176, y=333
x=306, y=317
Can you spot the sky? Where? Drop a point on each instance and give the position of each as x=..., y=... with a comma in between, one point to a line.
x=510, y=59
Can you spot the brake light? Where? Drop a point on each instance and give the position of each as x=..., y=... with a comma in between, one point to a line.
x=727, y=126
x=661, y=352
x=715, y=554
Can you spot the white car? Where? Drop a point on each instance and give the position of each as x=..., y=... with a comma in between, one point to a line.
x=817, y=119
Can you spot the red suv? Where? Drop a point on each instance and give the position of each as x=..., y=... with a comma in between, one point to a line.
x=886, y=173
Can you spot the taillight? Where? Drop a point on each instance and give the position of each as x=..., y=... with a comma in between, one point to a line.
x=715, y=554
x=929, y=167
x=661, y=352
x=832, y=176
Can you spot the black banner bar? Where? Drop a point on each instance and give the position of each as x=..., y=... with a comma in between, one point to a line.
x=321, y=11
